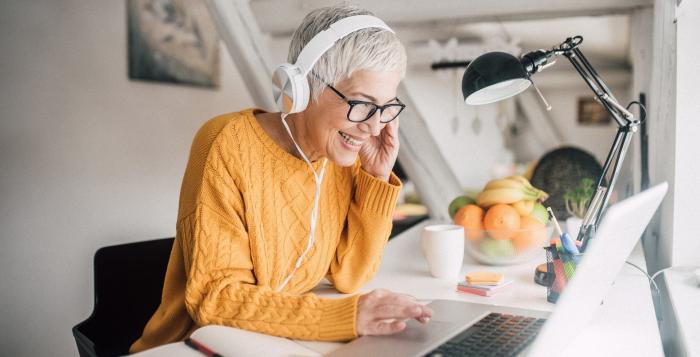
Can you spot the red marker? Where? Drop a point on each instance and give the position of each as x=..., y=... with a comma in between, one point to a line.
x=194, y=344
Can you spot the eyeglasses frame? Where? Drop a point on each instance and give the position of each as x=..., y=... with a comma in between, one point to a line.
x=353, y=103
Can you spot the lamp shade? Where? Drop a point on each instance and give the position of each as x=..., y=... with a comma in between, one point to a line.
x=493, y=76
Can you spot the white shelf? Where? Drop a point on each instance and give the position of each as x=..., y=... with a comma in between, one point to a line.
x=684, y=294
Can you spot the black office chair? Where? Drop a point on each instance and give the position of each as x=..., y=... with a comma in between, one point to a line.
x=128, y=285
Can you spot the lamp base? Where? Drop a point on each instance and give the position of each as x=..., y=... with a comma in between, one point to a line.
x=541, y=275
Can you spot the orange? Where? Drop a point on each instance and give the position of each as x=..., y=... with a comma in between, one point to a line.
x=502, y=221
x=532, y=233
x=470, y=217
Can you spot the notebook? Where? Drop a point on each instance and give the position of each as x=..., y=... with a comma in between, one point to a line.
x=229, y=341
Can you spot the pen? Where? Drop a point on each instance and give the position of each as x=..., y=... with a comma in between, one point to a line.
x=196, y=345
x=566, y=242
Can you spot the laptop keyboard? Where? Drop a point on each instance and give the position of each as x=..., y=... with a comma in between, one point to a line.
x=494, y=335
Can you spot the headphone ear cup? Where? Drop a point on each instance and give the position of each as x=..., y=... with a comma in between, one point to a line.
x=282, y=91
x=290, y=89
x=303, y=92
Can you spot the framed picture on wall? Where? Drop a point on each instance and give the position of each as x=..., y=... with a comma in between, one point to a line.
x=173, y=41
x=591, y=112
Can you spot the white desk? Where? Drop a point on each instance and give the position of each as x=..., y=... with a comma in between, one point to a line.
x=625, y=325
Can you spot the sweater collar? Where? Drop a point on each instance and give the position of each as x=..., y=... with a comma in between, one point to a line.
x=272, y=146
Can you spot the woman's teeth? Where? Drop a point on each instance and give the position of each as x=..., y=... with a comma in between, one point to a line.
x=348, y=139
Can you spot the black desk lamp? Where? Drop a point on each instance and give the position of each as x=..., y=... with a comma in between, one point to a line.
x=496, y=76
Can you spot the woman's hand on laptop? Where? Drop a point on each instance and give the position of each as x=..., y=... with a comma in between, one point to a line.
x=382, y=312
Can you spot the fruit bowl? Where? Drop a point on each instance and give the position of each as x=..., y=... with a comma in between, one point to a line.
x=506, y=223
x=506, y=247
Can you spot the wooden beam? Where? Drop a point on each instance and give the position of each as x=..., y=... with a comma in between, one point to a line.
x=240, y=33
x=640, y=56
x=423, y=162
x=546, y=131
x=658, y=245
x=413, y=13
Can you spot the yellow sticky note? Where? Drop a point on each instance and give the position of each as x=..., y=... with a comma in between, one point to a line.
x=484, y=278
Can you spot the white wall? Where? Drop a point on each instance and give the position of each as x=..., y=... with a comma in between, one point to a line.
x=472, y=156
x=87, y=159
x=596, y=139
x=686, y=245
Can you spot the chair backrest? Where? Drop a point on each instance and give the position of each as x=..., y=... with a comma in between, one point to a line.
x=128, y=286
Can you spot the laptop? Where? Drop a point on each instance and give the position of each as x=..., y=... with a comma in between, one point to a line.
x=461, y=328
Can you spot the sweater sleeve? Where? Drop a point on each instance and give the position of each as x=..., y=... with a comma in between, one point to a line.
x=366, y=232
x=221, y=285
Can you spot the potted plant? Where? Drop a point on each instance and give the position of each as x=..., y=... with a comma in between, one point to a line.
x=577, y=201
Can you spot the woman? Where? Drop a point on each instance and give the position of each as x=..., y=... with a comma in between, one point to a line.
x=248, y=193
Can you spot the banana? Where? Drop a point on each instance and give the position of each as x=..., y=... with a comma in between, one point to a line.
x=519, y=183
x=524, y=208
x=494, y=196
x=541, y=195
x=511, y=190
x=505, y=183
x=522, y=180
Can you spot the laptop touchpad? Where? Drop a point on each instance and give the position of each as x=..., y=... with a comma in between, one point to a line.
x=416, y=337
x=459, y=312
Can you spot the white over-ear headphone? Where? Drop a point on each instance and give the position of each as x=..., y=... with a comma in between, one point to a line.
x=290, y=88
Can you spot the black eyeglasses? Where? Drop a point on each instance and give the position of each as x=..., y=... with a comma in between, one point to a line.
x=361, y=111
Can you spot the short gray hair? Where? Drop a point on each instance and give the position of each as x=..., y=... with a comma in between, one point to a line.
x=371, y=48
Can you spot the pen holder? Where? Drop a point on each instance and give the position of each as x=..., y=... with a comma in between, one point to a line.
x=561, y=267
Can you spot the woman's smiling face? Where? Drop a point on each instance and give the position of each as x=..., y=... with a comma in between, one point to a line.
x=328, y=132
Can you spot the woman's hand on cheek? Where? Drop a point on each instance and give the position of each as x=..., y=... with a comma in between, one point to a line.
x=378, y=154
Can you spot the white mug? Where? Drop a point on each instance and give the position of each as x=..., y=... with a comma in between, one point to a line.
x=443, y=248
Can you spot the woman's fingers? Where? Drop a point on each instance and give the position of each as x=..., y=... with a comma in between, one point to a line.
x=405, y=311
x=382, y=328
x=424, y=318
x=385, y=312
x=392, y=129
x=395, y=126
x=427, y=312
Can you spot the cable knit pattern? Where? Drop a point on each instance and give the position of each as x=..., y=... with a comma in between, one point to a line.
x=244, y=219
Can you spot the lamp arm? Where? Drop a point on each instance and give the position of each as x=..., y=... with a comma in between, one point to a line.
x=599, y=203
x=626, y=113
x=538, y=60
x=534, y=62
x=601, y=91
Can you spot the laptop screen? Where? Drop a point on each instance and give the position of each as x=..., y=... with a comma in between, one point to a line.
x=604, y=257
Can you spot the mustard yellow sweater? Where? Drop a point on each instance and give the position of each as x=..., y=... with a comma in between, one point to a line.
x=243, y=220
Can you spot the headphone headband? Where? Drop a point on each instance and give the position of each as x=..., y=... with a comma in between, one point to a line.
x=325, y=39
x=290, y=87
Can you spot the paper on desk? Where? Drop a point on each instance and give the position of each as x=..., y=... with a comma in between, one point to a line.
x=176, y=349
x=232, y=342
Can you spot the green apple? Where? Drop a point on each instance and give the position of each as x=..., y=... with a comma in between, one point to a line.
x=540, y=213
x=497, y=247
x=458, y=203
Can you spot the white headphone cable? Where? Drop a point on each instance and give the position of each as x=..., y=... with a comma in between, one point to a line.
x=318, y=178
